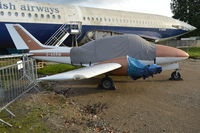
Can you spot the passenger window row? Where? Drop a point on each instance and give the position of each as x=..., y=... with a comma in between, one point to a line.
x=30, y=15
x=120, y=20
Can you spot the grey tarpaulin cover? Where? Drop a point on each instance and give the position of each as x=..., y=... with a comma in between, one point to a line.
x=113, y=47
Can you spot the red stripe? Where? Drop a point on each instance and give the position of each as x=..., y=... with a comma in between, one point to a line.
x=52, y=54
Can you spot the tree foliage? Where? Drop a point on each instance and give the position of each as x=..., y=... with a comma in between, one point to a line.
x=187, y=11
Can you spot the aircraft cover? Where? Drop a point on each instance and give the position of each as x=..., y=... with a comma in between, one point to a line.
x=137, y=69
x=113, y=47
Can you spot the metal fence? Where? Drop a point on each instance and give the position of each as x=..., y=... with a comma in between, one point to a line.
x=18, y=75
x=182, y=43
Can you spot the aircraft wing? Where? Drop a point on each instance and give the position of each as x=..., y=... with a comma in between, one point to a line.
x=84, y=73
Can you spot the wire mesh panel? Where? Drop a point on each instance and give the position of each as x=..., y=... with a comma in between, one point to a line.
x=16, y=78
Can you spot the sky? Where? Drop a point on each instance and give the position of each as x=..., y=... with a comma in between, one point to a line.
x=161, y=7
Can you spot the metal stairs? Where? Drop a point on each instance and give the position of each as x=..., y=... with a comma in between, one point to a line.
x=67, y=29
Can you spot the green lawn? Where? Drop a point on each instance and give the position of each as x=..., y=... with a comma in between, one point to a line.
x=194, y=52
x=56, y=68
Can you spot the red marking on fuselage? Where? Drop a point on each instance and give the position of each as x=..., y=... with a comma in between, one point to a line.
x=28, y=40
x=52, y=54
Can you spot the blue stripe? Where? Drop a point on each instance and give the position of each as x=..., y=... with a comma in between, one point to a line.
x=43, y=31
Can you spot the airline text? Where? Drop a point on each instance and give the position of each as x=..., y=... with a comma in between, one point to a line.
x=27, y=7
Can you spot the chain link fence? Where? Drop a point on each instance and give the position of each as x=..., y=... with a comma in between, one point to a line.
x=18, y=75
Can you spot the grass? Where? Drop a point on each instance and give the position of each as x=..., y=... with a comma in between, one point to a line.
x=194, y=52
x=48, y=112
x=56, y=68
x=31, y=115
x=27, y=121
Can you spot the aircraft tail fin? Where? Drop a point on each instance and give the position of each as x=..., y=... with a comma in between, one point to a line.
x=23, y=39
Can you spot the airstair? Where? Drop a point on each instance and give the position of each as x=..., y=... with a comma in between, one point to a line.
x=71, y=28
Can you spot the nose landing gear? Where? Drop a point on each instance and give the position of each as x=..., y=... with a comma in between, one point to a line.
x=175, y=76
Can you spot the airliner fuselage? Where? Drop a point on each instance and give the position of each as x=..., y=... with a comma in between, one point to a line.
x=43, y=19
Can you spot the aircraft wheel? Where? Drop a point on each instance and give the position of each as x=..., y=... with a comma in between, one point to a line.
x=176, y=76
x=107, y=84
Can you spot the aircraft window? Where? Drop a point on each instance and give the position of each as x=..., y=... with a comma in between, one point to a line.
x=92, y=19
x=29, y=15
x=88, y=18
x=121, y=20
x=42, y=15
x=22, y=14
x=2, y=13
x=150, y=22
x=101, y=19
x=53, y=16
x=116, y=20
x=109, y=19
x=36, y=15
x=84, y=18
x=16, y=14
x=48, y=16
x=105, y=19
x=113, y=20
x=9, y=14
x=59, y=17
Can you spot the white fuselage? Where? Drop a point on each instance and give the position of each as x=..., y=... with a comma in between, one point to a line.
x=43, y=19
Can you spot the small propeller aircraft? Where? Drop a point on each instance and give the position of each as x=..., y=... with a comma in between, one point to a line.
x=121, y=55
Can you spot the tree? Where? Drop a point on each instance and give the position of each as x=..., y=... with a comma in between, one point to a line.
x=189, y=12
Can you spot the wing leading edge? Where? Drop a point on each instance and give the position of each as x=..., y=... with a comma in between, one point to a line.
x=84, y=73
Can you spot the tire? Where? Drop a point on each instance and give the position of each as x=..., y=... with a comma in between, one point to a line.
x=175, y=76
x=107, y=84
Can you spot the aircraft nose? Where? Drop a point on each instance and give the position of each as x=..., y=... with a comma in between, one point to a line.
x=193, y=28
x=166, y=51
x=190, y=27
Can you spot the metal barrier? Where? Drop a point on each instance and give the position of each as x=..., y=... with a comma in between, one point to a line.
x=16, y=79
x=182, y=43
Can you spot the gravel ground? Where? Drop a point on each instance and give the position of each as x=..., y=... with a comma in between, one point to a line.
x=152, y=105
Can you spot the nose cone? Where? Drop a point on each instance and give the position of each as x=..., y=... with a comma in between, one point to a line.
x=190, y=27
x=166, y=51
x=186, y=26
x=193, y=28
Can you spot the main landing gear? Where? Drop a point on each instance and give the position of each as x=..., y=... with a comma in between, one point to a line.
x=107, y=84
x=175, y=76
